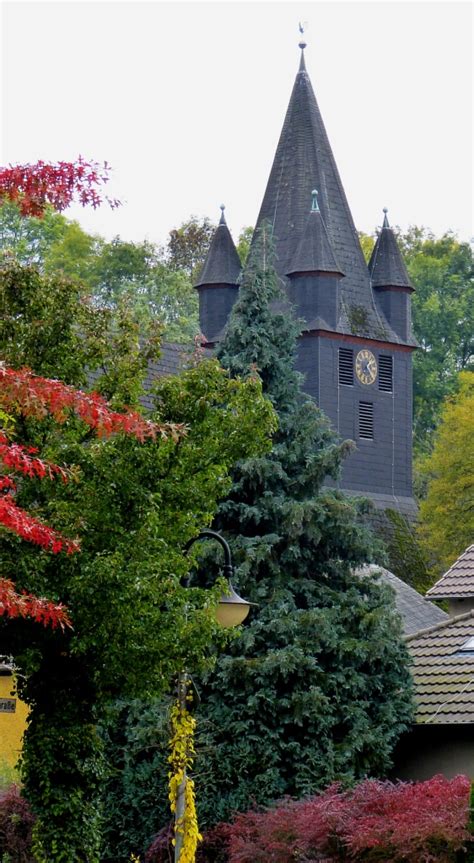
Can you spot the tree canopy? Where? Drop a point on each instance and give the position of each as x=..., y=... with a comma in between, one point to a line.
x=142, y=274
x=132, y=505
x=447, y=512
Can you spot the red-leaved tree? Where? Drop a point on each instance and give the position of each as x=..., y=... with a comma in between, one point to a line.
x=24, y=394
x=34, y=187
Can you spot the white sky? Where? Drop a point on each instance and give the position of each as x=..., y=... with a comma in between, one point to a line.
x=186, y=101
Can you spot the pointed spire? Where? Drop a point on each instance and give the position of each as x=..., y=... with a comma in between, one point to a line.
x=386, y=266
x=222, y=265
x=302, y=67
x=304, y=161
x=302, y=45
x=314, y=253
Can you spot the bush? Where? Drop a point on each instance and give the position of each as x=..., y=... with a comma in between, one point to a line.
x=213, y=848
x=376, y=822
x=16, y=823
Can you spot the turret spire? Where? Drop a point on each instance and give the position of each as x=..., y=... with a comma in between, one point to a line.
x=314, y=253
x=222, y=265
x=386, y=266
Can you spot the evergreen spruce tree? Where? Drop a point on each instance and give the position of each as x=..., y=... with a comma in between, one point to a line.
x=316, y=686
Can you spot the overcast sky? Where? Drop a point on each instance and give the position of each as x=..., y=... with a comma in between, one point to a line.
x=186, y=101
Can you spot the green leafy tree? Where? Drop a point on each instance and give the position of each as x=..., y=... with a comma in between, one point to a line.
x=133, y=506
x=111, y=272
x=28, y=238
x=442, y=271
x=447, y=512
x=243, y=245
x=188, y=245
x=137, y=272
x=316, y=687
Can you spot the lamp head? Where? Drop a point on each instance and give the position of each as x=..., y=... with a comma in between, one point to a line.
x=232, y=609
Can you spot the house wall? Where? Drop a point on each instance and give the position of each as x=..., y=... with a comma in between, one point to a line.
x=431, y=749
x=12, y=725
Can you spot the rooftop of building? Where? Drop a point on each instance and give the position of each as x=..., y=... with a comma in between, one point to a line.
x=443, y=671
x=458, y=581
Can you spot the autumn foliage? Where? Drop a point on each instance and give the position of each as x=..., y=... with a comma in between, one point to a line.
x=26, y=394
x=34, y=187
x=25, y=605
x=375, y=822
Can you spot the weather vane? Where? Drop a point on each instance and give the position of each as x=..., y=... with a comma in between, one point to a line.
x=302, y=26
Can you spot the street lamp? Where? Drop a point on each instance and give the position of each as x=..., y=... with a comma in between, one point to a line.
x=231, y=610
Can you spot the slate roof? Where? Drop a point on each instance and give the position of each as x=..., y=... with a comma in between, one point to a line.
x=444, y=675
x=416, y=612
x=386, y=265
x=314, y=252
x=304, y=161
x=222, y=265
x=458, y=581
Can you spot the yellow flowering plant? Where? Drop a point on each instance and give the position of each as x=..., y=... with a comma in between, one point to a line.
x=181, y=760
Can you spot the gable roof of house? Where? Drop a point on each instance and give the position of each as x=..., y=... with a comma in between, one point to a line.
x=458, y=581
x=304, y=161
x=416, y=612
x=443, y=673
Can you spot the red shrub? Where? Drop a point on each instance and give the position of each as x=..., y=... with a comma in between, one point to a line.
x=376, y=822
x=420, y=822
x=258, y=837
x=16, y=822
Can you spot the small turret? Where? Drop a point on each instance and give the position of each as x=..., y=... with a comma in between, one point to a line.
x=391, y=282
x=314, y=274
x=218, y=282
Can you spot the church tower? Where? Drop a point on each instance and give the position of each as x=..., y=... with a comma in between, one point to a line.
x=356, y=342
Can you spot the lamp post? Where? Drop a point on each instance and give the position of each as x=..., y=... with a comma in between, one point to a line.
x=231, y=611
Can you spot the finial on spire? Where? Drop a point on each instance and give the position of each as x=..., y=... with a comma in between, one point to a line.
x=222, y=220
x=385, y=219
x=314, y=201
x=302, y=45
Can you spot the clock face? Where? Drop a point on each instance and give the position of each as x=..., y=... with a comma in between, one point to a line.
x=366, y=367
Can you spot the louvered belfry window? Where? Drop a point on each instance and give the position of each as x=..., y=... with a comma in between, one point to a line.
x=366, y=420
x=346, y=366
x=386, y=374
